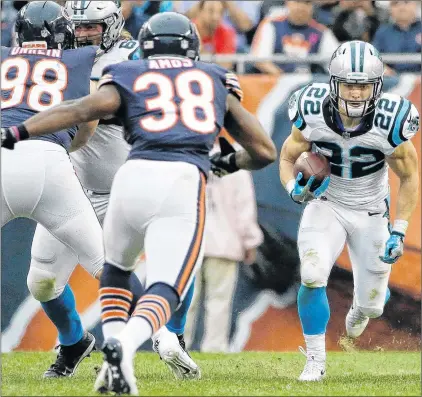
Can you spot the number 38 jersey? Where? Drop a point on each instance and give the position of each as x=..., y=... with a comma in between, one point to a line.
x=33, y=80
x=172, y=107
x=359, y=172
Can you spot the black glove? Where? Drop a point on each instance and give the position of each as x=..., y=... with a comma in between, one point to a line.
x=8, y=138
x=224, y=162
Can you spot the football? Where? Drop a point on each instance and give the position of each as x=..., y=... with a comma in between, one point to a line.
x=310, y=163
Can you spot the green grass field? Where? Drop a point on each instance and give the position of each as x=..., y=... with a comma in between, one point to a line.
x=253, y=374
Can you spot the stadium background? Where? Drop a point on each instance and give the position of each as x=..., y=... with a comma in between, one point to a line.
x=264, y=314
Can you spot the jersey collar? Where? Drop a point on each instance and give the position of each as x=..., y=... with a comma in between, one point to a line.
x=333, y=121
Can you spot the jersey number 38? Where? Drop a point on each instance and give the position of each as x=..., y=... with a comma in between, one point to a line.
x=167, y=110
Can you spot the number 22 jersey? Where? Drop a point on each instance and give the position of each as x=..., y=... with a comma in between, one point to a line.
x=172, y=107
x=359, y=172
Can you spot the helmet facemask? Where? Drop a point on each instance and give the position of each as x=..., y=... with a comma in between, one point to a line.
x=108, y=14
x=343, y=105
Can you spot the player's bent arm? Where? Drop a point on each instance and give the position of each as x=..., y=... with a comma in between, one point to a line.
x=404, y=162
x=104, y=102
x=248, y=132
x=85, y=130
x=292, y=148
x=83, y=135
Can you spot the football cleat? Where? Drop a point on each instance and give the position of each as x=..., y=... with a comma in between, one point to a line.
x=116, y=374
x=356, y=322
x=314, y=370
x=69, y=357
x=172, y=350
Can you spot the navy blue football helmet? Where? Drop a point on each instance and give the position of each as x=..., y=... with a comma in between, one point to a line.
x=169, y=33
x=45, y=21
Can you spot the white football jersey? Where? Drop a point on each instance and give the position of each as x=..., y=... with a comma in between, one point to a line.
x=98, y=161
x=359, y=172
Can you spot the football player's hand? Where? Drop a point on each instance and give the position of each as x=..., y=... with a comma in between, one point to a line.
x=303, y=193
x=8, y=138
x=393, y=248
x=224, y=162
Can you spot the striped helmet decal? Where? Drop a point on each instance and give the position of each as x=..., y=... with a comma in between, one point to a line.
x=353, y=55
x=357, y=55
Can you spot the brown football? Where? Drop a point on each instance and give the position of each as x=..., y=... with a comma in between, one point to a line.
x=310, y=163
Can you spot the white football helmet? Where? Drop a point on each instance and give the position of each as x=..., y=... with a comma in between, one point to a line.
x=108, y=13
x=356, y=62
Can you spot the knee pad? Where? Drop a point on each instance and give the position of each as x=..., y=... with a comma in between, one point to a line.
x=313, y=274
x=42, y=284
x=371, y=312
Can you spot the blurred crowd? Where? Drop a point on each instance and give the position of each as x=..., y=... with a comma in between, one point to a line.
x=294, y=28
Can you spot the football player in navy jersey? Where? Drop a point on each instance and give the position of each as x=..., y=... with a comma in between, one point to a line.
x=172, y=107
x=38, y=179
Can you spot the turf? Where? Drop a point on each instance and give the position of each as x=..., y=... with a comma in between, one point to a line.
x=249, y=373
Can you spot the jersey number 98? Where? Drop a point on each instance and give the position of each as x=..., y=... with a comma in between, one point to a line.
x=168, y=110
x=50, y=90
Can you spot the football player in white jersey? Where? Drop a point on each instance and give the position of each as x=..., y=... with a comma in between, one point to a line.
x=96, y=163
x=362, y=132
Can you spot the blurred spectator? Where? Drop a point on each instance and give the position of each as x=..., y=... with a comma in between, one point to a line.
x=243, y=16
x=402, y=35
x=136, y=12
x=296, y=35
x=324, y=12
x=216, y=36
x=8, y=16
x=357, y=20
x=272, y=8
x=232, y=235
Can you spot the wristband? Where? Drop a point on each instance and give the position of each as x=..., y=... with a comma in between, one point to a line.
x=400, y=226
x=290, y=186
x=21, y=133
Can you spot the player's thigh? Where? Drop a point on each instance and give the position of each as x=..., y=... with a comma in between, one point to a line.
x=99, y=203
x=126, y=219
x=321, y=239
x=67, y=213
x=22, y=179
x=52, y=264
x=366, y=244
x=174, y=239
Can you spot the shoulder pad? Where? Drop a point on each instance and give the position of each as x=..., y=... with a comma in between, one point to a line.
x=396, y=118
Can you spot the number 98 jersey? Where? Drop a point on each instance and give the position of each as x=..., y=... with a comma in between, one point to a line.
x=33, y=80
x=359, y=172
x=172, y=107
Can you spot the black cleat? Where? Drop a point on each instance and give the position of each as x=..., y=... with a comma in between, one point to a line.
x=70, y=357
x=112, y=377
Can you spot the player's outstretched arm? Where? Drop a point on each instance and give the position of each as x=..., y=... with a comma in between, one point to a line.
x=106, y=101
x=248, y=132
x=404, y=163
x=292, y=148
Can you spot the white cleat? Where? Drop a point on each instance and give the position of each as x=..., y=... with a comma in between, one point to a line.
x=314, y=370
x=167, y=345
x=356, y=322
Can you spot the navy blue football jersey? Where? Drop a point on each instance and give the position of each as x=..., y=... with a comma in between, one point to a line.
x=33, y=80
x=172, y=107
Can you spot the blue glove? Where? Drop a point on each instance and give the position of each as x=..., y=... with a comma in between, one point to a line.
x=393, y=248
x=302, y=193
